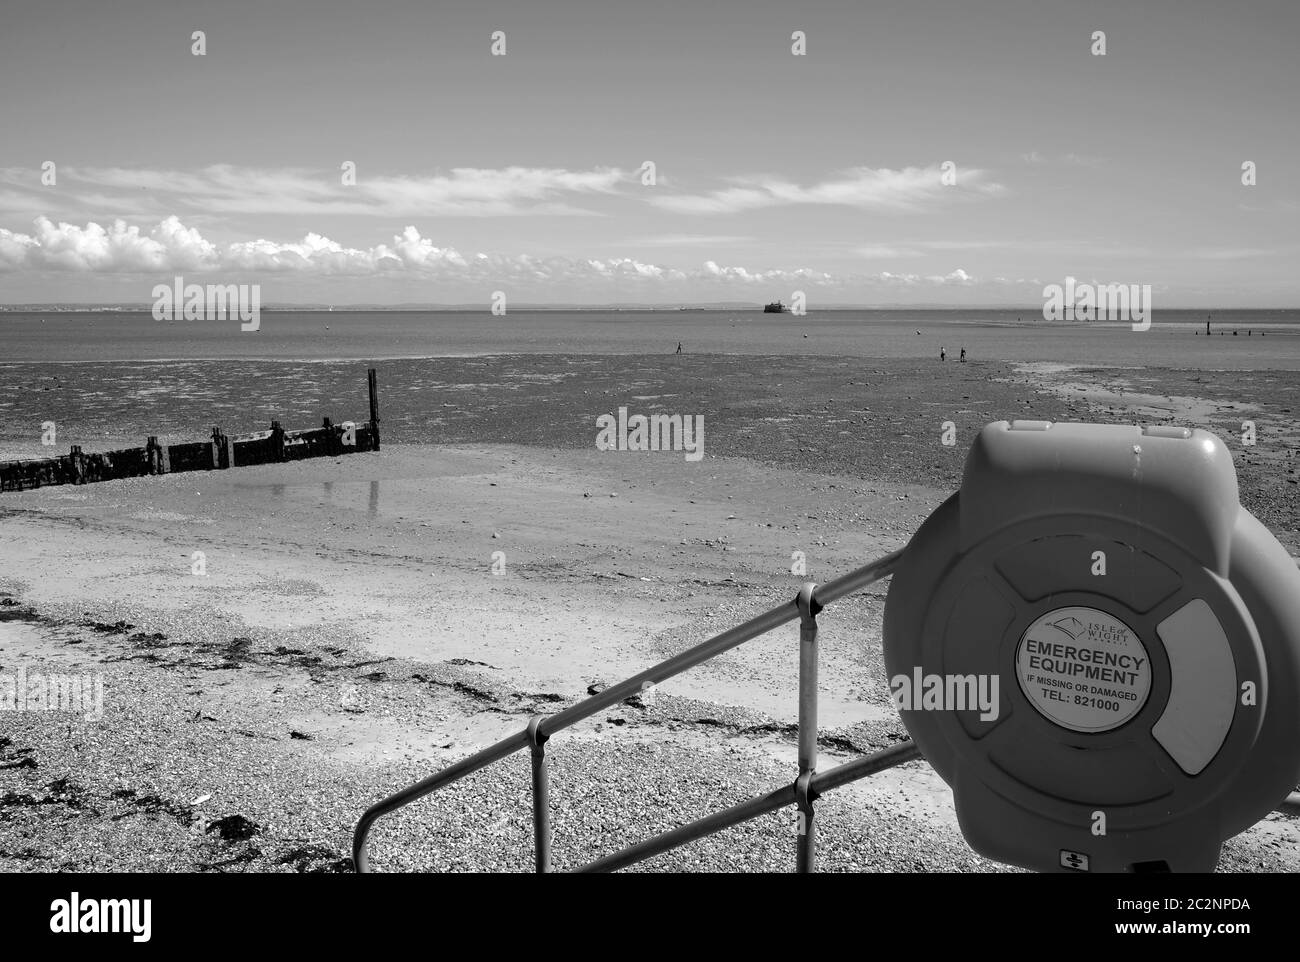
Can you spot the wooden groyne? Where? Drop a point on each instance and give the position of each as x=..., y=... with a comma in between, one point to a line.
x=220, y=452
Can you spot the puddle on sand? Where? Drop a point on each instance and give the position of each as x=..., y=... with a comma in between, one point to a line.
x=1114, y=393
x=36, y=647
x=1179, y=408
x=18, y=635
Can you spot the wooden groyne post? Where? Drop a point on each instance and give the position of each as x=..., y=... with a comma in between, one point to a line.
x=373, y=382
x=156, y=455
x=277, y=441
x=220, y=449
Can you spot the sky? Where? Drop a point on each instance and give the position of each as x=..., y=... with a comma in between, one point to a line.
x=963, y=153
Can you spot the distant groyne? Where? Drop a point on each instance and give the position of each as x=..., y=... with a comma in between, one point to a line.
x=217, y=453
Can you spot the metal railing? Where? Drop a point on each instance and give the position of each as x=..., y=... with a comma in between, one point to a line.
x=803, y=792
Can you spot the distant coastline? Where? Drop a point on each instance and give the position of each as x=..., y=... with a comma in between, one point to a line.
x=1030, y=310
x=1176, y=339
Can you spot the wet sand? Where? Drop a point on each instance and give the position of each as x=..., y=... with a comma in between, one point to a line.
x=350, y=634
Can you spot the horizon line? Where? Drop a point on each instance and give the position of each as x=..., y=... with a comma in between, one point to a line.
x=479, y=307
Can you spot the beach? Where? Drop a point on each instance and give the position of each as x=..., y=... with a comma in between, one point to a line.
x=360, y=622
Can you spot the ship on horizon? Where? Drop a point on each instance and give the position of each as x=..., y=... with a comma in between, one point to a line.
x=776, y=307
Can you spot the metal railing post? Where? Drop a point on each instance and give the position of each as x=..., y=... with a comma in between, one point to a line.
x=541, y=798
x=806, y=857
x=808, y=787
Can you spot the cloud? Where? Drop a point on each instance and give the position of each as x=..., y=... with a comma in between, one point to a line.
x=865, y=188
x=691, y=240
x=1234, y=253
x=883, y=251
x=172, y=247
x=1065, y=160
x=121, y=247
x=962, y=245
x=958, y=277
x=226, y=189
x=711, y=270
x=1057, y=246
x=916, y=248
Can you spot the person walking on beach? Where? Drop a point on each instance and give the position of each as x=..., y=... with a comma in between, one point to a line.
x=963, y=355
x=679, y=347
x=943, y=355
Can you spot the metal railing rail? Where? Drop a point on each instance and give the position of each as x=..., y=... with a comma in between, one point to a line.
x=802, y=793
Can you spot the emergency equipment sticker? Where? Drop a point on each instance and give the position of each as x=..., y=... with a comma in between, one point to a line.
x=1084, y=669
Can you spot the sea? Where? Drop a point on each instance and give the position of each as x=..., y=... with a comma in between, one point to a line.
x=1240, y=339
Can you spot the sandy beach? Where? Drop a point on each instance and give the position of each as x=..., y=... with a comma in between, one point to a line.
x=363, y=621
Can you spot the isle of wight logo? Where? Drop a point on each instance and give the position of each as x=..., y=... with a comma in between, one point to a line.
x=1071, y=625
